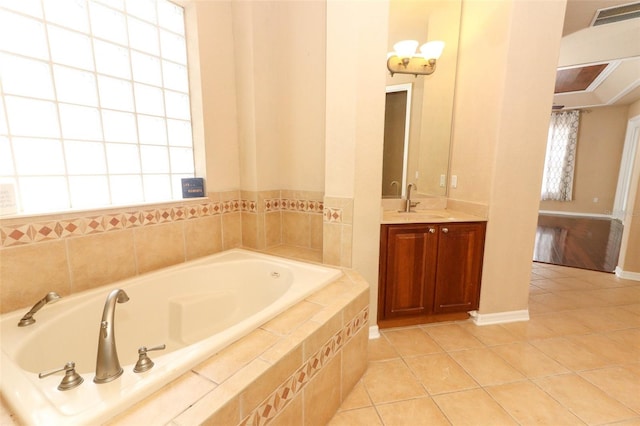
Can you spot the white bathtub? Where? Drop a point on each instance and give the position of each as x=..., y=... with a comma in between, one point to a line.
x=196, y=309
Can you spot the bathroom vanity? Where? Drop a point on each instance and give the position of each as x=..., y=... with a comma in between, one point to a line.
x=430, y=267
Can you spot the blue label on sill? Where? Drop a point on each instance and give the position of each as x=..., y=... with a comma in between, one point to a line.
x=192, y=187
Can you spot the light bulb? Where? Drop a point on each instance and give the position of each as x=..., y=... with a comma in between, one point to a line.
x=432, y=49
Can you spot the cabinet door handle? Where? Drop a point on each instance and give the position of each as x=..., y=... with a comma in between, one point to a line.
x=445, y=230
x=432, y=230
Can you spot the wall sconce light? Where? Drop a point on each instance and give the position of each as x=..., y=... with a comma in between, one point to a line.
x=405, y=60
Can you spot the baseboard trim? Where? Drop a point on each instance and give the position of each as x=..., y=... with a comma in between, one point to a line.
x=499, y=317
x=577, y=214
x=374, y=332
x=634, y=276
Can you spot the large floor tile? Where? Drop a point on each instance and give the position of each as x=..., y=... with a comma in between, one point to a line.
x=620, y=383
x=387, y=381
x=591, y=404
x=570, y=354
x=411, y=341
x=439, y=373
x=529, y=360
x=473, y=407
x=361, y=417
x=530, y=405
x=452, y=337
x=419, y=411
x=486, y=367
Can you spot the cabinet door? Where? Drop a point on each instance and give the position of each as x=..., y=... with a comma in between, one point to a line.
x=410, y=270
x=459, y=269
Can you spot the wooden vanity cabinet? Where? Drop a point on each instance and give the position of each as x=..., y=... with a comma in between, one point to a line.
x=429, y=272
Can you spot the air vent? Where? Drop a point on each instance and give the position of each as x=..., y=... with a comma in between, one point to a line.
x=616, y=14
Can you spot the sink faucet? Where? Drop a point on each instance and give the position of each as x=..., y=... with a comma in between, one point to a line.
x=28, y=318
x=410, y=203
x=107, y=364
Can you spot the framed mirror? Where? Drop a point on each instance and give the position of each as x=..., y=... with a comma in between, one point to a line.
x=397, y=123
x=430, y=104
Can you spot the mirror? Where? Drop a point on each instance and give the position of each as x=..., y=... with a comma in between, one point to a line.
x=425, y=152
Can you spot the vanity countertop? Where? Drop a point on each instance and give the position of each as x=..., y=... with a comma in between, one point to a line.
x=428, y=216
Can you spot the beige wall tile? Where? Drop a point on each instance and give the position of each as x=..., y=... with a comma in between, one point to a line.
x=100, y=259
x=347, y=246
x=322, y=333
x=231, y=359
x=203, y=236
x=250, y=230
x=273, y=228
x=271, y=380
x=28, y=273
x=292, y=318
x=291, y=415
x=231, y=230
x=159, y=246
x=354, y=360
x=332, y=244
x=316, y=229
x=322, y=394
x=296, y=229
x=166, y=403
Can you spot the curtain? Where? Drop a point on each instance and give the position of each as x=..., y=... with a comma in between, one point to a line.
x=559, y=164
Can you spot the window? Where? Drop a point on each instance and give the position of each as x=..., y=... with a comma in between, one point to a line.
x=560, y=160
x=94, y=103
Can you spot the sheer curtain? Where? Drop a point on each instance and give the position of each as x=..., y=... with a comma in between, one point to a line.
x=559, y=164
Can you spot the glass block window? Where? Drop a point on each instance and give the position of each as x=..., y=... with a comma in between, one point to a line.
x=94, y=104
x=560, y=160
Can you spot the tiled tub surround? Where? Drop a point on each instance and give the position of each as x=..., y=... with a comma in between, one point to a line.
x=337, y=232
x=73, y=252
x=295, y=369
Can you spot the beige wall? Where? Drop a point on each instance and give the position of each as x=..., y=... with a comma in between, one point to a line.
x=601, y=138
x=500, y=127
x=629, y=260
x=280, y=83
x=356, y=42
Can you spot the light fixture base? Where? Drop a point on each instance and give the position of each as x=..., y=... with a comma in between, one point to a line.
x=415, y=65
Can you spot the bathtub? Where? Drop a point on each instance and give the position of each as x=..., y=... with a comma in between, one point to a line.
x=195, y=309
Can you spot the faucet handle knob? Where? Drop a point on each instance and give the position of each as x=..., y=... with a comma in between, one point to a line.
x=71, y=378
x=144, y=362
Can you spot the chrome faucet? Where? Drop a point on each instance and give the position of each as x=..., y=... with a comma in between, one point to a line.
x=107, y=364
x=410, y=203
x=28, y=318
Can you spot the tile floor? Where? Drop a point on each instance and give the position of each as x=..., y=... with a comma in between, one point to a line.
x=576, y=362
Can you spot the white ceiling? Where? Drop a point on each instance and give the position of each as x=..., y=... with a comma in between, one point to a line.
x=617, y=43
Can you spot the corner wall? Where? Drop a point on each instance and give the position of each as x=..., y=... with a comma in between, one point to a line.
x=501, y=120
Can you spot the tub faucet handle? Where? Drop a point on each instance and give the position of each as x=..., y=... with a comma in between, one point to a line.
x=71, y=378
x=144, y=362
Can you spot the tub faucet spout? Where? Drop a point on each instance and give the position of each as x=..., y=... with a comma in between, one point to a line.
x=107, y=364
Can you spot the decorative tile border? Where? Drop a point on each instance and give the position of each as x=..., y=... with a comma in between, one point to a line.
x=332, y=215
x=292, y=386
x=306, y=206
x=28, y=233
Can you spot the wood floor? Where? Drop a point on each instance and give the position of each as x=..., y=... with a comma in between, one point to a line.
x=580, y=242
